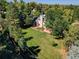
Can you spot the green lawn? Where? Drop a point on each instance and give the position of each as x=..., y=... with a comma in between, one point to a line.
x=45, y=43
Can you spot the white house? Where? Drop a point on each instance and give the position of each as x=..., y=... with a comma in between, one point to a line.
x=40, y=21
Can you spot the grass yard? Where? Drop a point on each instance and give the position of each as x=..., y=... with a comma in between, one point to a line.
x=45, y=43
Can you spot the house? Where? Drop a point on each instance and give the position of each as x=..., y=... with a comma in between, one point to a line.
x=40, y=21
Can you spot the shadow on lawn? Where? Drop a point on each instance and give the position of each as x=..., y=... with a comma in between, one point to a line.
x=35, y=50
x=25, y=26
x=15, y=51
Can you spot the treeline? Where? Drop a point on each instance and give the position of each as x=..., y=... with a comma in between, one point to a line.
x=13, y=45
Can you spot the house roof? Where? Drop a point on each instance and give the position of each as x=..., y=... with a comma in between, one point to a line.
x=75, y=23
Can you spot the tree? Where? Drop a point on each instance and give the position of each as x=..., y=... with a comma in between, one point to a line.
x=11, y=36
x=72, y=36
x=59, y=28
x=56, y=21
x=76, y=13
x=52, y=15
x=68, y=15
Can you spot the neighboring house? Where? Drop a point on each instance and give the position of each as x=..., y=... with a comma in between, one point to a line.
x=40, y=21
x=76, y=23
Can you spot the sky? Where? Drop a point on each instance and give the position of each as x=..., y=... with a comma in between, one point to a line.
x=66, y=2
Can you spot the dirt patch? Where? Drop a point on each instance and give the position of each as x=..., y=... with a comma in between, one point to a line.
x=47, y=31
x=63, y=53
x=43, y=30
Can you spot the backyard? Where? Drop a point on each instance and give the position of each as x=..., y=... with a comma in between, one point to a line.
x=31, y=29
x=46, y=44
